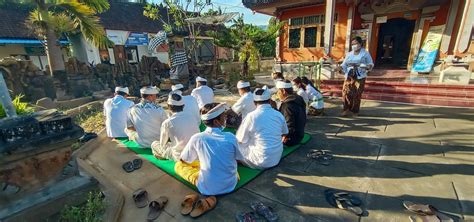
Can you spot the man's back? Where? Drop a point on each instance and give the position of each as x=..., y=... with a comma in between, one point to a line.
x=216, y=151
x=191, y=108
x=147, y=119
x=181, y=129
x=293, y=109
x=204, y=95
x=115, y=111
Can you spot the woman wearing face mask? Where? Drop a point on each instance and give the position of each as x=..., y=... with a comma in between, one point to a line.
x=316, y=101
x=355, y=67
x=299, y=88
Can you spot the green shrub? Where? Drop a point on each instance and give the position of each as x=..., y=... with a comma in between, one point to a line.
x=22, y=108
x=91, y=211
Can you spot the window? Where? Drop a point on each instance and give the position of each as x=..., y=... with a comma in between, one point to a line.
x=296, y=21
x=310, y=20
x=321, y=37
x=294, y=40
x=310, y=36
x=132, y=54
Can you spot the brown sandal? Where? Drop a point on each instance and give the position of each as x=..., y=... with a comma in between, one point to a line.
x=156, y=208
x=203, y=206
x=188, y=203
x=140, y=197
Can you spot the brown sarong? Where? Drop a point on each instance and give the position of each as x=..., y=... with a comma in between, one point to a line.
x=352, y=94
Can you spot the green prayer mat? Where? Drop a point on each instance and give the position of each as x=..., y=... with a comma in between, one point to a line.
x=246, y=174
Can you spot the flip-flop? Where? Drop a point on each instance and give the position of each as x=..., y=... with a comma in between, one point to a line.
x=203, y=206
x=264, y=211
x=427, y=209
x=140, y=197
x=137, y=163
x=345, y=204
x=188, y=203
x=128, y=167
x=424, y=218
x=249, y=217
x=156, y=208
x=344, y=200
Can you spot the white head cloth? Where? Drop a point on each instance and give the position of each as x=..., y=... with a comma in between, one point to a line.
x=122, y=89
x=149, y=90
x=283, y=85
x=177, y=87
x=173, y=102
x=242, y=84
x=215, y=112
x=200, y=79
x=266, y=95
x=179, y=92
x=265, y=87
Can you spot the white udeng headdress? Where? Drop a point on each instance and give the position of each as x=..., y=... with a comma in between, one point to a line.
x=173, y=102
x=266, y=95
x=283, y=85
x=215, y=112
x=122, y=89
x=149, y=90
x=200, y=79
x=242, y=84
x=177, y=87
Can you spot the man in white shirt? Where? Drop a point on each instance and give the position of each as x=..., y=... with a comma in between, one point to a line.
x=115, y=112
x=190, y=104
x=203, y=93
x=208, y=160
x=145, y=118
x=260, y=135
x=175, y=131
x=245, y=104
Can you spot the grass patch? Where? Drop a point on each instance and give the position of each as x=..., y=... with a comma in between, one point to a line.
x=91, y=121
x=91, y=211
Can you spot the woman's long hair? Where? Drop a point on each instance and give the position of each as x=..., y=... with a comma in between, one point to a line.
x=299, y=83
x=306, y=82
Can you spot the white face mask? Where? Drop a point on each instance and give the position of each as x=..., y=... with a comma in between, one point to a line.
x=355, y=47
x=295, y=88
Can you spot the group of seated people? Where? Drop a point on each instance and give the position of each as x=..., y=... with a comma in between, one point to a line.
x=209, y=159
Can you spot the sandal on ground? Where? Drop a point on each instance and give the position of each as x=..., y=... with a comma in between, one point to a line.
x=264, y=211
x=428, y=210
x=344, y=200
x=249, y=217
x=140, y=197
x=188, y=203
x=128, y=167
x=137, y=163
x=203, y=206
x=156, y=208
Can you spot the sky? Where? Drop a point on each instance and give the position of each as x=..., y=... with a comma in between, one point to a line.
x=237, y=6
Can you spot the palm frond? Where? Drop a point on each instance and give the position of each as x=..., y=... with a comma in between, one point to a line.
x=85, y=19
x=98, y=5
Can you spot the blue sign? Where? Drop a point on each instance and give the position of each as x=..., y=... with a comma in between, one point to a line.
x=429, y=51
x=137, y=38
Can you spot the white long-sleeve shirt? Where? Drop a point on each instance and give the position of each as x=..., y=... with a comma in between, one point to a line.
x=260, y=137
x=362, y=58
x=191, y=108
x=204, y=95
x=175, y=134
x=244, y=105
x=115, y=112
x=146, y=118
x=216, y=152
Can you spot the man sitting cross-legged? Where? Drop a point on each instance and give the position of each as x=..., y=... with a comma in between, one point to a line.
x=115, y=111
x=208, y=160
x=145, y=118
x=293, y=109
x=245, y=104
x=190, y=104
x=203, y=93
x=261, y=132
x=175, y=131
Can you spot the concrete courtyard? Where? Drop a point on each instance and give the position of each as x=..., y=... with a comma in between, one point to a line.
x=390, y=153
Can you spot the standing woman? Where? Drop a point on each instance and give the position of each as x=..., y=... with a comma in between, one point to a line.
x=355, y=67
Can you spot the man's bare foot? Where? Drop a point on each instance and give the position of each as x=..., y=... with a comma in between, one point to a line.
x=345, y=113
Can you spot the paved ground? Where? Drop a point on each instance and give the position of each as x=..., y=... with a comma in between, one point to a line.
x=389, y=154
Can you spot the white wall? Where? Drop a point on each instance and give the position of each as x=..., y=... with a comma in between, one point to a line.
x=91, y=51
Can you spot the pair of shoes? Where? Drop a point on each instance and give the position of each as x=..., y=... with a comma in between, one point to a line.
x=140, y=197
x=133, y=165
x=196, y=206
x=260, y=213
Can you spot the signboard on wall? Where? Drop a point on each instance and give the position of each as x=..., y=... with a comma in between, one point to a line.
x=429, y=51
x=117, y=37
x=137, y=38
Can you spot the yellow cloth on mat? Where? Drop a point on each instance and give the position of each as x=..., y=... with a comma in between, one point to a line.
x=188, y=171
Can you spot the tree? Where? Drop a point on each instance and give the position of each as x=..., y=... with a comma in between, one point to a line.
x=247, y=40
x=178, y=12
x=50, y=19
